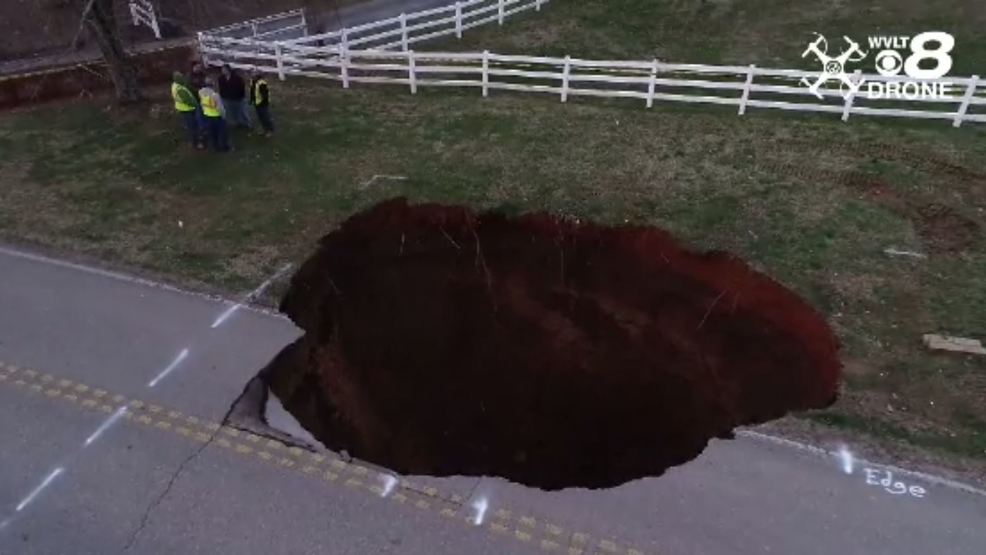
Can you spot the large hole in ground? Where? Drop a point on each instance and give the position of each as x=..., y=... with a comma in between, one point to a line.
x=548, y=351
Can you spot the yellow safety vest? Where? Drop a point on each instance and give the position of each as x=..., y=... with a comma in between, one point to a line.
x=210, y=108
x=256, y=90
x=179, y=103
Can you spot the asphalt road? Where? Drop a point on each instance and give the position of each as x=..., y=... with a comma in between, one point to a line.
x=159, y=477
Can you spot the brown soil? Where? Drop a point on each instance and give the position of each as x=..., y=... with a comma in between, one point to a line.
x=155, y=67
x=942, y=229
x=548, y=351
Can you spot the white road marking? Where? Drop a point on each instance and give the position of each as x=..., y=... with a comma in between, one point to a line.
x=388, y=485
x=930, y=478
x=164, y=373
x=260, y=289
x=174, y=364
x=105, y=426
x=253, y=294
x=480, y=505
x=846, y=458
x=222, y=317
x=48, y=479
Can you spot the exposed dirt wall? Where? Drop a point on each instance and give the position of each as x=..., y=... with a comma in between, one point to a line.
x=155, y=68
x=551, y=352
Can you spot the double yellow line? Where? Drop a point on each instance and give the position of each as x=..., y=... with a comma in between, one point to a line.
x=325, y=466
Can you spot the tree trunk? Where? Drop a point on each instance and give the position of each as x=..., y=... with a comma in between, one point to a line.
x=101, y=21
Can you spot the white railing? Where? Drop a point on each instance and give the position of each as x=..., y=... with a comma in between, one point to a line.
x=142, y=11
x=285, y=25
x=742, y=87
x=408, y=28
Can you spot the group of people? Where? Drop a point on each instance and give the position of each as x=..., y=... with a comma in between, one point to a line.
x=207, y=102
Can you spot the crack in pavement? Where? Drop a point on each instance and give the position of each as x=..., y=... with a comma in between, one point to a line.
x=167, y=489
x=145, y=519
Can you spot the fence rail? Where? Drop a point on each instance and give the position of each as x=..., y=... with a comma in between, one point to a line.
x=408, y=28
x=649, y=81
x=142, y=11
x=292, y=24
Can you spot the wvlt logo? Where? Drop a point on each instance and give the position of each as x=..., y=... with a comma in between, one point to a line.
x=924, y=59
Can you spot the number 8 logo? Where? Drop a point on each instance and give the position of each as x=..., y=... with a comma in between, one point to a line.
x=943, y=62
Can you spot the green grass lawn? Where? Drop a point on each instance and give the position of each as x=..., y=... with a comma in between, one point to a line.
x=807, y=199
x=769, y=33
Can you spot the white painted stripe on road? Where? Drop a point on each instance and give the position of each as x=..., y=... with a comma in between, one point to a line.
x=263, y=286
x=480, y=505
x=226, y=314
x=128, y=278
x=174, y=364
x=105, y=426
x=930, y=478
x=388, y=485
x=48, y=479
x=253, y=294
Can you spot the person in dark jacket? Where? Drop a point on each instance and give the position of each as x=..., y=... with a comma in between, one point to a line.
x=232, y=90
x=196, y=80
x=260, y=98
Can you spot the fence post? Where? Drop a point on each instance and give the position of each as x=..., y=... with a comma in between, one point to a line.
x=154, y=25
x=254, y=27
x=500, y=11
x=746, y=89
x=411, y=77
x=537, y=5
x=304, y=23
x=970, y=91
x=651, y=86
x=202, y=46
x=486, y=73
x=847, y=109
x=344, y=58
x=404, y=32
x=564, y=78
x=458, y=20
x=280, y=61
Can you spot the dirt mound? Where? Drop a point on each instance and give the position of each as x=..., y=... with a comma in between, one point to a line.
x=548, y=351
x=942, y=229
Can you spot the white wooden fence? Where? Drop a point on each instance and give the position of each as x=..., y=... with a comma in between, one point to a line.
x=281, y=26
x=408, y=28
x=742, y=87
x=142, y=11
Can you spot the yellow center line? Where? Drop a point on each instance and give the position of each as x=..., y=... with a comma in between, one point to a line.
x=506, y=524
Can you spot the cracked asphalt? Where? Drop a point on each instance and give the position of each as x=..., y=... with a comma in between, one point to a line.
x=153, y=483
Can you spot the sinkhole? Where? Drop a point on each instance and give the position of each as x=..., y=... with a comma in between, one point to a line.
x=545, y=350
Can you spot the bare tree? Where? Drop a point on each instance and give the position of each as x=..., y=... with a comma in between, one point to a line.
x=98, y=16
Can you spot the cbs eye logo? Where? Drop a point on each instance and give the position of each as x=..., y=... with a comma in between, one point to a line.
x=889, y=63
x=927, y=49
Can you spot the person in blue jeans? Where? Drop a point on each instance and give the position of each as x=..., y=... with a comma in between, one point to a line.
x=260, y=99
x=232, y=90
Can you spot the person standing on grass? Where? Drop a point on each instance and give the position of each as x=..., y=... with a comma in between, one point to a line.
x=187, y=106
x=260, y=98
x=196, y=80
x=214, y=114
x=232, y=90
